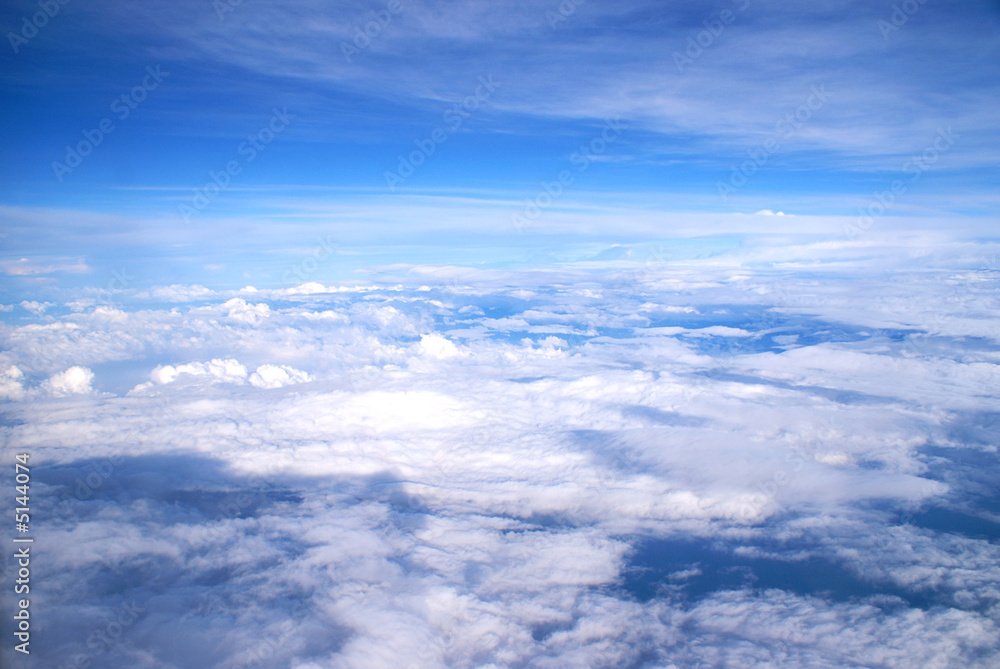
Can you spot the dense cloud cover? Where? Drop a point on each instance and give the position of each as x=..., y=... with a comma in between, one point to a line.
x=640, y=465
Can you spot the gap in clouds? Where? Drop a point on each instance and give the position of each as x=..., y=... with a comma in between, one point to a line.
x=692, y=569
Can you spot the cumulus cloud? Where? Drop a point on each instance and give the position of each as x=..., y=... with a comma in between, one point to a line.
x=436, y=346
x=226, y=371
x=74, y=381
x=277, y=376
x=12, y=383
x=217, y=369
x=244, y=312
x=308, y=288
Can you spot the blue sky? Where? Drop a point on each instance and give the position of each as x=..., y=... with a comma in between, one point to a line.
x=685, y=117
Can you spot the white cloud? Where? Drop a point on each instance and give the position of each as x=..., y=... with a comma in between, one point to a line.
x=308, y=288
x=180, y=293
x=12, y=383
x=277, y=376
x=110, y=313
x=44, y=266
x=436, y=346
x=74, y=381
x=227, y=371
x=244, y=312
x=37, y=308
x=220, y=370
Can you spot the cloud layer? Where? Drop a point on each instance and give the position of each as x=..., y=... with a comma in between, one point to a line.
x=654, y=465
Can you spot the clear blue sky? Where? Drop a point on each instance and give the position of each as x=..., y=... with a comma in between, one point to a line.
x=646, y=110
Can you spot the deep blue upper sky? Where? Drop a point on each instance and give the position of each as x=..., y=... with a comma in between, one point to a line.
x=873, y=88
